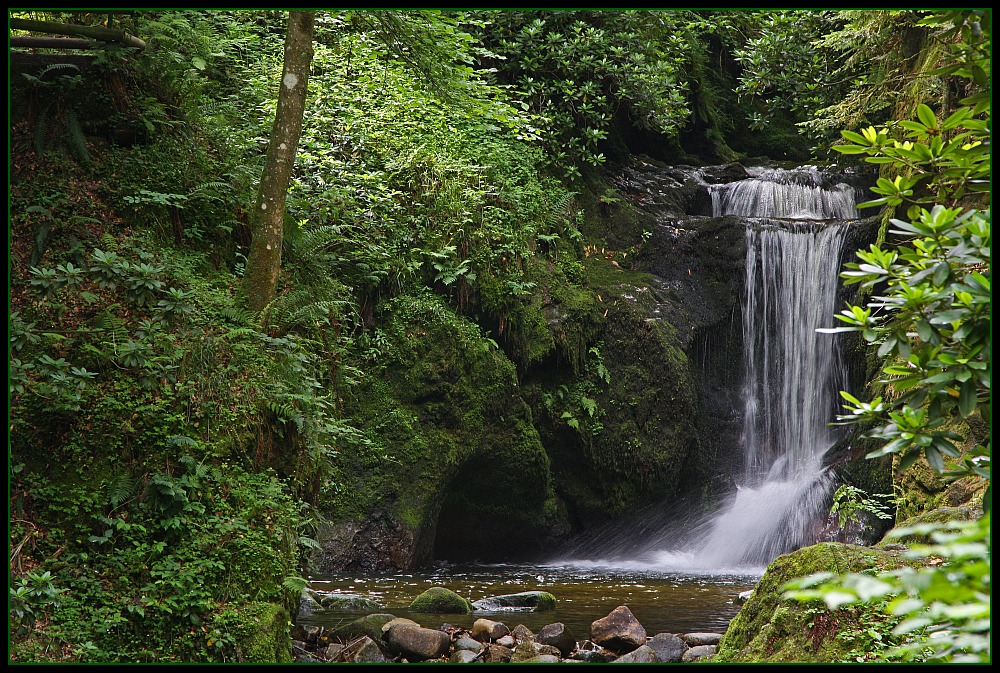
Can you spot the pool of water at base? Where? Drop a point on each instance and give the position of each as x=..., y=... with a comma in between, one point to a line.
x=662, y=602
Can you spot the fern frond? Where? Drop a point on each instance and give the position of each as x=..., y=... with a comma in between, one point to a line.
x=240, y=332
x=43, y=132
x=212, y=191
x=237, y=315
x=558, y=212
x=77, y=141
x=112, y=327
x=309, y=306
x=313, y=241
x=282, y=410
x=59, y=69
x=120, y=488
x=295, y=584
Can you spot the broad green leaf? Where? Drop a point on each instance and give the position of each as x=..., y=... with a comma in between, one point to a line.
x=837, y=599
x=934, y=458
x=926, y=116
x=967, y=398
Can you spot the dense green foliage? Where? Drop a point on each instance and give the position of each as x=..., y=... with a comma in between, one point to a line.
x=930, y=316
x=828, y=70
x=575, y=69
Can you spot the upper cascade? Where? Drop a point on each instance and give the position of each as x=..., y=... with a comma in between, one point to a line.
x=802, y=194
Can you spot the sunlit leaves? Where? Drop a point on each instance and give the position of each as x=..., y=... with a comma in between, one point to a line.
x=931, y=320
x=929, y=311
x=577, y=69
x=944, y=602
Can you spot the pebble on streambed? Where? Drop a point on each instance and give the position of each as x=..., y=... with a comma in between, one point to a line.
x=383, y=638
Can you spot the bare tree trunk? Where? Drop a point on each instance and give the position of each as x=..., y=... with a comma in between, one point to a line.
x=267, y=218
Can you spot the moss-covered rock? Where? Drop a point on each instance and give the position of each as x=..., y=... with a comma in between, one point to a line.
x=939, y=515
x=619, y=432
x=769, y=628
x=369, y=625
x=259, y=632
x=452, y=457
x=441, y=601
x=923, y=490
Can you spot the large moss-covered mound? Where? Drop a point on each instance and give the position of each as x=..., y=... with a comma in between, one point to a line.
x=441, y=408
x=769, y=628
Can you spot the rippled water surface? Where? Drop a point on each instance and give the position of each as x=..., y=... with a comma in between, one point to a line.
x=662, y=602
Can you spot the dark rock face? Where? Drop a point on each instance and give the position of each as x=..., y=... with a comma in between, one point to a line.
x=447, y=412
x=375, y=543
x=619, y=631
x=716, y=175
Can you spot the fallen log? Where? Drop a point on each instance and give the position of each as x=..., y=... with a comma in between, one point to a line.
x=30, y=42
x=95, y=32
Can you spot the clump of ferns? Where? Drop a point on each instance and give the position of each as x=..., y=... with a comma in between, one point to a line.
x=55, y=119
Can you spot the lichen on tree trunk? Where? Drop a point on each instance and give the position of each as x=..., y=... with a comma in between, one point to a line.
x=267, y=219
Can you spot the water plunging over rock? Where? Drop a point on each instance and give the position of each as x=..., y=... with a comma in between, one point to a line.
x=791, y=372
x=796, y=226
x=805, y=193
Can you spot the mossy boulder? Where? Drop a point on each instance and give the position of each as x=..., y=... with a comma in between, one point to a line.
x=620, y=431
x=939, y=515
x=668, y=279
x=369, y=625
x=449, y=457
x=770, y=628
x=340, y=601
x=260, y=632
x=921, y=489
x=441, y=601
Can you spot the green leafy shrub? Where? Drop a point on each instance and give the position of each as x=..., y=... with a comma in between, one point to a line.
x=930, y=316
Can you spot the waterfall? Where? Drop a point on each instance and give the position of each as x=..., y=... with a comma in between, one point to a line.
x=795, y=227
x=802, y=194
x=792, y=373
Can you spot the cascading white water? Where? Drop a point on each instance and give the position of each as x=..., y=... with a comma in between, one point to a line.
x=795, y=233
x=800, y=195
x=792, y=373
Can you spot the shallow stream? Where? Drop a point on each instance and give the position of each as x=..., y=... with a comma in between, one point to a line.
x=662, y=602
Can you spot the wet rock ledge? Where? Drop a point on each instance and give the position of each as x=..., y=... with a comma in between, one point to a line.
x=379, y=637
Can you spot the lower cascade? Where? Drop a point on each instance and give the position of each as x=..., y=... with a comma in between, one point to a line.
x=791, y=383
x=795, y=228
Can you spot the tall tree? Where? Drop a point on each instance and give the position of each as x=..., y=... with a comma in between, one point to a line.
x=268, y=215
